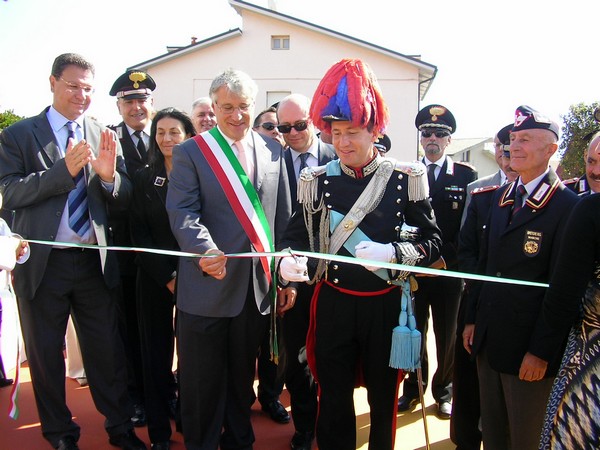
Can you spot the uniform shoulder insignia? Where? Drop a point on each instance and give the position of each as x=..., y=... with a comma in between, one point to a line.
x=570, y=181
x=413, y=169
x=310, y=173
x=483, y=189
x=307, y=191
x=418, y=188
x=465, y=164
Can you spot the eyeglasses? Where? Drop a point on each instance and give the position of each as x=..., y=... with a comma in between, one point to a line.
x=229, y=109
x=269, y=126
x=298, y=126
x=74, y=87
x=438, y=134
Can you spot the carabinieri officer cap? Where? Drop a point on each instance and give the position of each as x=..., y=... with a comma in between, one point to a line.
x=133, y=84
x=435, y=117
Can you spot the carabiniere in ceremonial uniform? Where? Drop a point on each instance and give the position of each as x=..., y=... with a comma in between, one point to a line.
x=403, y=200
x=328, y=194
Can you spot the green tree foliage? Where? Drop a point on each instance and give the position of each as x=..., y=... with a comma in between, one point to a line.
x=579, y=124
x=7, y=118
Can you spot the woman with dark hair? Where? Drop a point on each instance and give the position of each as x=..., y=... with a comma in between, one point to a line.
x=157, y=273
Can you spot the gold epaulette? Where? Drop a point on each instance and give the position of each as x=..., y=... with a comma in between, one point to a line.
x=418, y=188
x=482, y=189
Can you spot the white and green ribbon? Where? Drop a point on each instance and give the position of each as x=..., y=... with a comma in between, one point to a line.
x=291, y=252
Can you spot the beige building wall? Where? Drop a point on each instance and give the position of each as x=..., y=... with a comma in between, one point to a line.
x=299, y=69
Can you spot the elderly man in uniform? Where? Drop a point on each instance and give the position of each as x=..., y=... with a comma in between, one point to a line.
x=133, y=90
x=448, y=182
x=523, y=235
x=355, y=206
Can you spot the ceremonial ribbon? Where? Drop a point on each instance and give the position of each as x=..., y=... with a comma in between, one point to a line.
x=13, y=407
x=291, y=252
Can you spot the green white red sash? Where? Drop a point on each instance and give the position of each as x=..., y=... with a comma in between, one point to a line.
x=240, y=192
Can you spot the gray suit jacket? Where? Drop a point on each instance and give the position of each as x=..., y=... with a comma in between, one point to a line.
x=494, y=179
x=35, y=182
x=202, y=219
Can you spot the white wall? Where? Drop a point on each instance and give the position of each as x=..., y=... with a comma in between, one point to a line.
x=298, y=69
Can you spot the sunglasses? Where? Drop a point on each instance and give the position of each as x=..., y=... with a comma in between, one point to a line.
x=298, y=126
x=269, y=126
x=438, y=134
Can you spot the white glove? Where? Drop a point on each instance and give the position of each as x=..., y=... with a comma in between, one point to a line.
x=375, y=252
x=294, y=269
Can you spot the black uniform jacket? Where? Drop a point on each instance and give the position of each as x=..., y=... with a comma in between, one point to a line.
x=150, y=224
x=525, y=249
x=470, y=240
x=382, y=225
x=448, y=195
x=118, y=219
x=579, y=185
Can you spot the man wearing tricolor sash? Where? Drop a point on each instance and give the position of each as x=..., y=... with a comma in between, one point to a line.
x=356, y=206
x=228, y=193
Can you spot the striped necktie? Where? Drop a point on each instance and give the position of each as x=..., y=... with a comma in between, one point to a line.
x=521, y=192
x=77, y=201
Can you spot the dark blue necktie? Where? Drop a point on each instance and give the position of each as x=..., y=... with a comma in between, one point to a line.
x=303, y=158
x=431, y=175
x=141, y=147
x=77, y=201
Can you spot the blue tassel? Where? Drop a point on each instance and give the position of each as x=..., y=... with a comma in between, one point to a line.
x=406, y=339
x=401, y=352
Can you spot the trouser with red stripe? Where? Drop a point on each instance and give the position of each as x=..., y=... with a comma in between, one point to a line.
x=349, y=340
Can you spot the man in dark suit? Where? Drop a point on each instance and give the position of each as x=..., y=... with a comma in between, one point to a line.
x=523, y=236
x=228, y=193
x=133, y=91
x=448, y=182
x=270, y=377
x=59, y=171
x=305, y=149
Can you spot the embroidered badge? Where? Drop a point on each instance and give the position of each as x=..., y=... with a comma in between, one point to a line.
x=137, y=77
x=532, y=243
x=436, y=111
x=159, y=181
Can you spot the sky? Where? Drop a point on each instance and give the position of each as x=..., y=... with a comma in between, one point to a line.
x=492, y=56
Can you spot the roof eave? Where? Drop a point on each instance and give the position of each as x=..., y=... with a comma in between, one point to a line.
x=427, y=72
x=235, y=32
